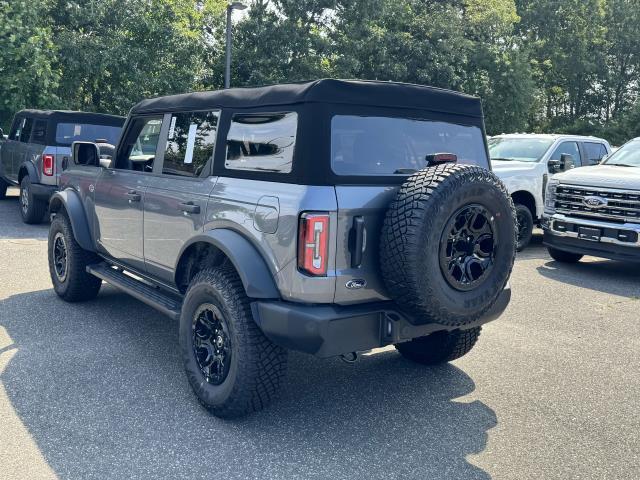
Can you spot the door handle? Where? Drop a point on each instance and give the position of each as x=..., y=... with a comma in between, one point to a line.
x=189, y=207
x=134, y=196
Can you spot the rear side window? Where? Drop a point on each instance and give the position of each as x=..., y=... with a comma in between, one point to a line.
x=595, y=152
x=386, y=146
x=67, y=133
x=39, y=133
x=26, y=130
x=191, y=143
x=262, y=142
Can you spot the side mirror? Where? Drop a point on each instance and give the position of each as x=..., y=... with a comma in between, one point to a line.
x=554, y=166
x=85, y=153
x=567, y=162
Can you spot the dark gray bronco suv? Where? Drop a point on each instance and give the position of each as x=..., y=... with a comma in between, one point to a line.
x=328, y=217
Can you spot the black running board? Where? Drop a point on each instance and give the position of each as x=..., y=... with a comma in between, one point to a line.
x=152, y=296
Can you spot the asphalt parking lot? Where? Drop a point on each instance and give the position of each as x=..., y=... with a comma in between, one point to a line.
x=96, y=390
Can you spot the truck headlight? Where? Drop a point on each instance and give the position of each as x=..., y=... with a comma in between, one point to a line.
x=550, y=196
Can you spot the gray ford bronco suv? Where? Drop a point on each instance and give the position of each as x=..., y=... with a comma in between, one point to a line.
x=38, y=144
x=328, y=217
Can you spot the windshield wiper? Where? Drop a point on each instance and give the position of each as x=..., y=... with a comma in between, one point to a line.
x=405, y=171
x=620, y=165
x=504, y=159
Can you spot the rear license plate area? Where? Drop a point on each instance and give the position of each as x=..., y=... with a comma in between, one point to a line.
x=592, y=234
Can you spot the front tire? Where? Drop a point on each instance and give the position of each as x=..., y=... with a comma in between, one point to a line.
x=68, y=263
x=440, y=347
x=31, y=209
x=232, y=367
x=524, y=221
x=564, y=257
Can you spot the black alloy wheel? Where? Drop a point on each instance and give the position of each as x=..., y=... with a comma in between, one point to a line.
x=60, y=258
x=211, y=343
x=467, y=247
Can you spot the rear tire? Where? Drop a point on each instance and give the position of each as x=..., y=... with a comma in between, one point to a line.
x=232, y=367
x=439, y=347
x=564, y=257
x=68, y=263
x=32, y=210
x=524, y=221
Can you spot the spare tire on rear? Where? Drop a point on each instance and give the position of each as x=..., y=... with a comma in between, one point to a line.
x=448, y=244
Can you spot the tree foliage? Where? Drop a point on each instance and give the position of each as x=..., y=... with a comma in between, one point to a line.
x=540, y=65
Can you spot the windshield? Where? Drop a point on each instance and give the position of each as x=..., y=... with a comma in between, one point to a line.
x=518, y=149
x=388, y=146
x=627, y=156
x=67, y=133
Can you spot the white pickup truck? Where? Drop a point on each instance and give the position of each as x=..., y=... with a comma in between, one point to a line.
x=596, y=211
x=525, y=162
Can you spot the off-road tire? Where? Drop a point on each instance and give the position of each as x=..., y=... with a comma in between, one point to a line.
x=78, y=285
x=564, y=257
x=33, y=211
x=3, y=189
x=524, y=221
x=257, y=366
x=410, y=247
x=439, y=347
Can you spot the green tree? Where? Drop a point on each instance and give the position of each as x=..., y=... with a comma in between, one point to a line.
x=27, y=77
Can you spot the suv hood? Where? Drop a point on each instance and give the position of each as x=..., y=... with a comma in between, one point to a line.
x=606, y=176
x=512, y=167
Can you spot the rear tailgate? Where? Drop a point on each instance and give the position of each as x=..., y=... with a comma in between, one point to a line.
x=360, y=208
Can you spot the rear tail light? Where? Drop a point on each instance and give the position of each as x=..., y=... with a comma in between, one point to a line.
x=313, y=243
x=47, y=165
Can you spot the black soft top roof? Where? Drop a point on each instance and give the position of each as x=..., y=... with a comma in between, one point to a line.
x=74, y=117
x=329, y=91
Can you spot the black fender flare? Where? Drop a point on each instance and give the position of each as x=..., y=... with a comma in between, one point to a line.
x=253, y=271
x=31, y=171
x=70, y=201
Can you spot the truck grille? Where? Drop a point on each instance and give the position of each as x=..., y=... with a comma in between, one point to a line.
x=617, y=205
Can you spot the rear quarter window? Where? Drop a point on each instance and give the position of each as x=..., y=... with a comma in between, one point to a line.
x=367, y=145
x=262, y=142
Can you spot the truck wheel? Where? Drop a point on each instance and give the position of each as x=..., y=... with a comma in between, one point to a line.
x=524, y=221
x=232, y=367
x=439, y=347
x=564, y=257
x=448, y=244
x=31, y=209
x=68, y=263
x=3, y=189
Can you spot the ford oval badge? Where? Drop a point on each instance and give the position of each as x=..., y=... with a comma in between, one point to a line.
x=595, y=202
x=356, y=284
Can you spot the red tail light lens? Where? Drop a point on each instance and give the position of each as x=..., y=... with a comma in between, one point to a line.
x=47, y=165
x=313, y=243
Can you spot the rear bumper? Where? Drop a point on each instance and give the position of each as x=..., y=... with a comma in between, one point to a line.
x=330, y=330
x=43, y=192
x=618, y=241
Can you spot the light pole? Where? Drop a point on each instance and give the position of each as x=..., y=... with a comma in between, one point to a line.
x=227, y=71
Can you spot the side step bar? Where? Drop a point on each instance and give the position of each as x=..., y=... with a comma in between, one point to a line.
x=154, y=297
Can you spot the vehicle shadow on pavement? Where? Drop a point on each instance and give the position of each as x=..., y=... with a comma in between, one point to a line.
x=11, y=224
x=606, y=276
x=101, y=390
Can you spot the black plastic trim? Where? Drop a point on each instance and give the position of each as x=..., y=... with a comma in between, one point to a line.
x=70, y=201
x=595, y=249
x=330, y=330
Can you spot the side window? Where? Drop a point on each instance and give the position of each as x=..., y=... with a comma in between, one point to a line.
x=16, y=129
x=570, y=148
x=139, y=147
x=595, y=152
x=26, y=130
x=262, y=142
x=39, y=133
x=190, y=143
